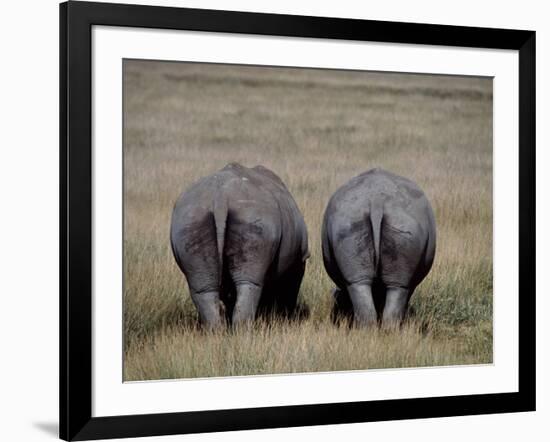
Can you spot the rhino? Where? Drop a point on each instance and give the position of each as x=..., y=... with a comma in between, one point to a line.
x=241, y=241
x=378, y=243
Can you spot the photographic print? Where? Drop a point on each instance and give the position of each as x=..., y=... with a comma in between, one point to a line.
x=291, y=220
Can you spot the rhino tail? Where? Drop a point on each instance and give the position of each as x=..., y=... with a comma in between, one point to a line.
x=376, y=214
x=220, y=221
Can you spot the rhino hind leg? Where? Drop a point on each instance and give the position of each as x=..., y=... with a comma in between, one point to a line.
x=280, y=297
x=364, y=309
x=246, y=304
x=397, y=299
x=210, y=307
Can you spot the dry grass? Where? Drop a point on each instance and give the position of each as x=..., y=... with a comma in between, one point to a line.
x=280, y=347
x=315, y=129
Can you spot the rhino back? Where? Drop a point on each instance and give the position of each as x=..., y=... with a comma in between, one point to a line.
x=263, y=222
x=407, y=228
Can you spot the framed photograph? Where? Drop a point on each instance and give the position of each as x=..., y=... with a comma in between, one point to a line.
x=273, y=220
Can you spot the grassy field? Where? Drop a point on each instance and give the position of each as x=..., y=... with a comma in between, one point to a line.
x=315, y=129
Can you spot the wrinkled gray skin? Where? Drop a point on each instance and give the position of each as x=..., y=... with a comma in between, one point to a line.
x=378, y=244
x=241, y=241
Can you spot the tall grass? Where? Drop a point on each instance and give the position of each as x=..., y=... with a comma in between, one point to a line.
x=315, y=129
x=283, y=347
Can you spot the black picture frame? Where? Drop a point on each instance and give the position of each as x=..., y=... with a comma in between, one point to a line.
x=76, y=21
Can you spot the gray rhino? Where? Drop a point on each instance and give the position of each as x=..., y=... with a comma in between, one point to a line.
x=378, y=240
x=241, y=241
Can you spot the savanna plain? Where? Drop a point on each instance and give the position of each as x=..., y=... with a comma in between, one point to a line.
x=316, y=129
